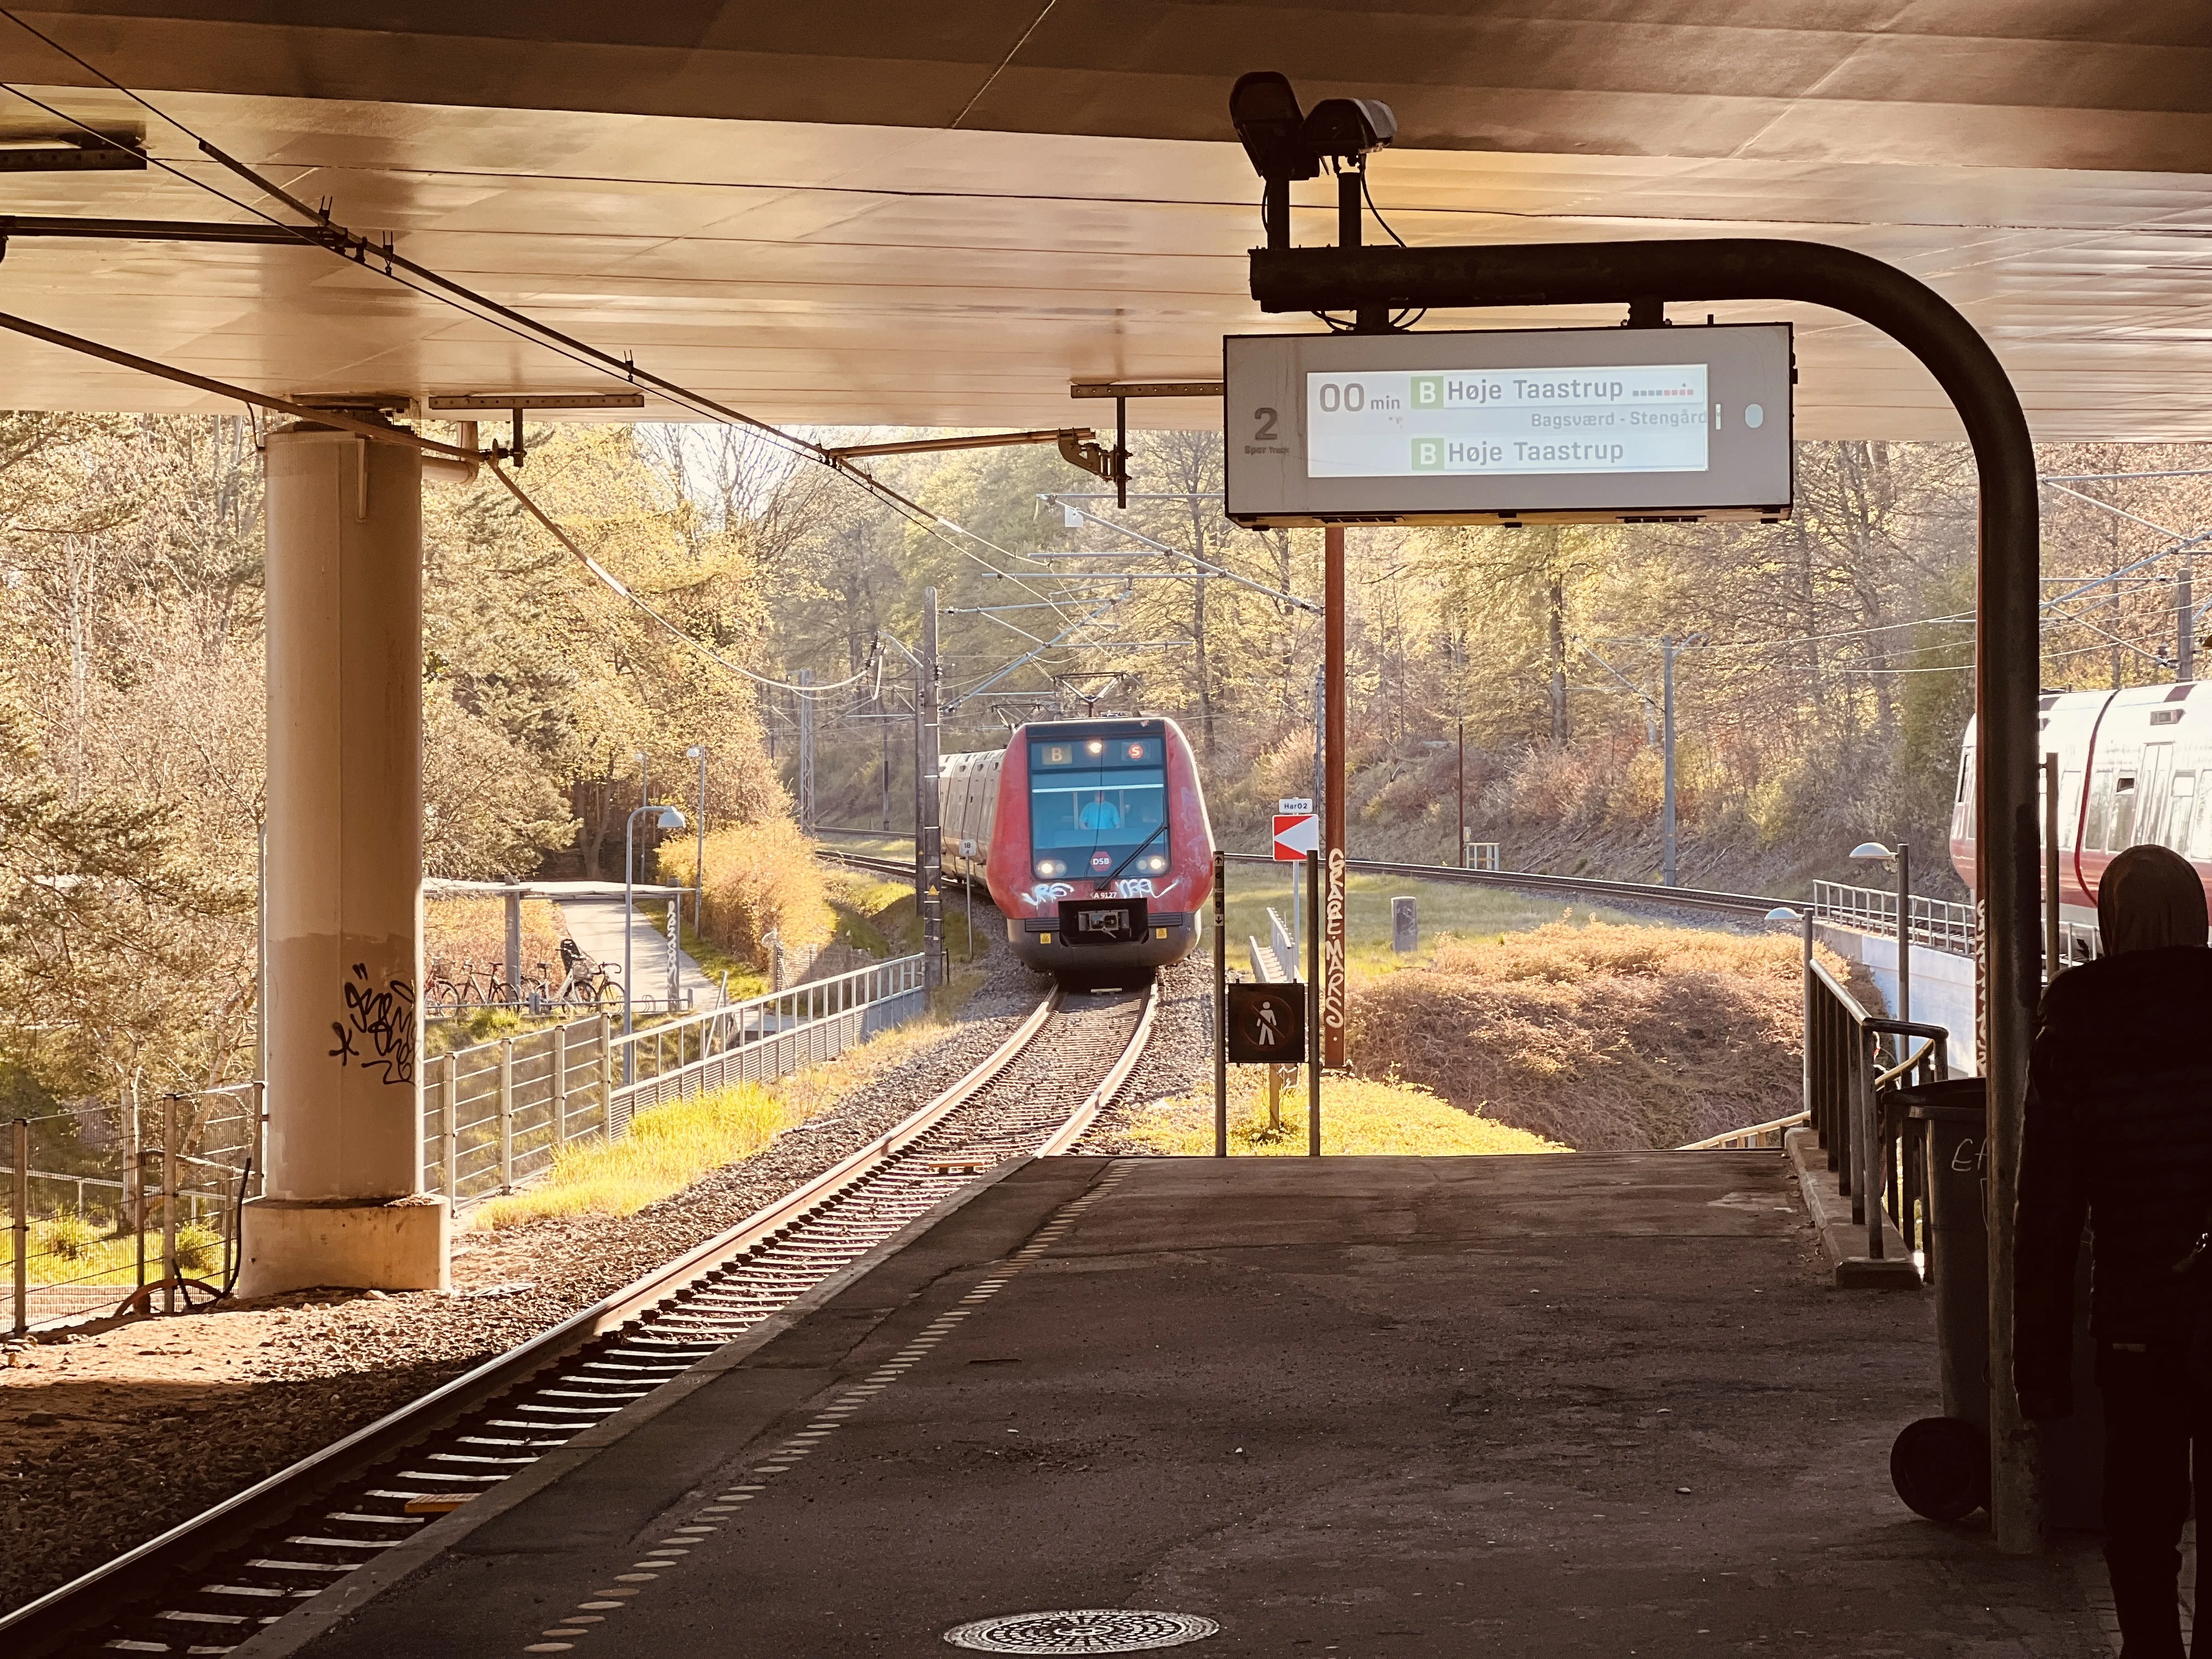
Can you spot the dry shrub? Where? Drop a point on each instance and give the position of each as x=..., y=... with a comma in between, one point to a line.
x=1600, y=1037
x=759, y=877
x=458, y=930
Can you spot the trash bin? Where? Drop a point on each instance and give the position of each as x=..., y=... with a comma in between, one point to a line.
x=1940, y=1466
x=1951, y=1120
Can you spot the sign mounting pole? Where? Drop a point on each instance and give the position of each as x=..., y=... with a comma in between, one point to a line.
x=1330, y=920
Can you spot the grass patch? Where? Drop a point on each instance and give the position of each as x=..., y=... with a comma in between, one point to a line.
x=1360, y=1117
x=672, y=1146
x=69, y=1250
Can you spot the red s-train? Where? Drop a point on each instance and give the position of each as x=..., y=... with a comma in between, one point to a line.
x=1092, y=837
x=2135, y=766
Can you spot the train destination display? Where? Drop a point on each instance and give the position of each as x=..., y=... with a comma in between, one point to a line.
x=1506, y=426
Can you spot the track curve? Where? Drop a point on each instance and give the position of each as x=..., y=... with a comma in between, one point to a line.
x=211, y=1583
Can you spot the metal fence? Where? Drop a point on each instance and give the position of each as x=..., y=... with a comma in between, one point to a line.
x=1936, y=922
x=192, y=1196
x=1854, y=1063
x=496, y=1114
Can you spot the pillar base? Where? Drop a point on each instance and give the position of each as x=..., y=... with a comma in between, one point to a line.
x=390, y=1244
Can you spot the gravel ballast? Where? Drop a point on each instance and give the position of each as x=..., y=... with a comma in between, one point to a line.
x=110, y=1434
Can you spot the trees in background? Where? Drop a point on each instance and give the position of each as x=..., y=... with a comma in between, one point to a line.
x=131, y=711
x=1821, y=689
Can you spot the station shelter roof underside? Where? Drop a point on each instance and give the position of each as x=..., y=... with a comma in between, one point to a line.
x=850, y=212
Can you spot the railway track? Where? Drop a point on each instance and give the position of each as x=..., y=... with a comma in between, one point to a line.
x=1583, y=887
x=209, y=1585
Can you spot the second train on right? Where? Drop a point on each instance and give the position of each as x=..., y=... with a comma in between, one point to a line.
x=2135, y=767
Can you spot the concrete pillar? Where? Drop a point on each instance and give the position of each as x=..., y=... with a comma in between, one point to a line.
x=342, y=1204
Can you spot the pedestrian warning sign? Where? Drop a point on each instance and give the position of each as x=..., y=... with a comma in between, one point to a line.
x=1267, y=1025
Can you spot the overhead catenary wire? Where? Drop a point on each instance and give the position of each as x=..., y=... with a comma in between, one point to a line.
x=334, y=238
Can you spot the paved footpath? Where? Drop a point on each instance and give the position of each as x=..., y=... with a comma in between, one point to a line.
x=1598, y=1405
x=596, y=925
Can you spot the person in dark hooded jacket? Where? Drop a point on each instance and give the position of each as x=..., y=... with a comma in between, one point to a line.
x=2118, y=1134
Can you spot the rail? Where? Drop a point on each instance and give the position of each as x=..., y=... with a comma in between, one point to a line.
x=495, y=1115
x=1938, y=922
x=1756, y=1135
x=825, y=1226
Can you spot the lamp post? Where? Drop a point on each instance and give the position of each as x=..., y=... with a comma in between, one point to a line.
x=698, y=751
x=1901, y=861
x=664, y=818
x=644, y=780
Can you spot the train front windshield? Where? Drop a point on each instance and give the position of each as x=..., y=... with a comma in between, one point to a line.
x=1095, y=801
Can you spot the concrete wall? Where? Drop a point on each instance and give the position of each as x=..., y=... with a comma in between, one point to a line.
x=1942, y=987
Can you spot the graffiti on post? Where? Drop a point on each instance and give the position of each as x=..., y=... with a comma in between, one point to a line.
x=1333, y=1011
x=378, y=1032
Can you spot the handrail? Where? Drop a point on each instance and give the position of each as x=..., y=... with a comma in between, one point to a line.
x=1734, y=1139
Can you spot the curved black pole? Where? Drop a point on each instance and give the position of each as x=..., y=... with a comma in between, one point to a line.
x=2007, y=648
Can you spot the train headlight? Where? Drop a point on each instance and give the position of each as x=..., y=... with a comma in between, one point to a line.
x=1156, y=863
x=1051, y=867
x=1096, y=746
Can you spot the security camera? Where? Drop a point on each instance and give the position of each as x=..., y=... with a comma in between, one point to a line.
x=1348, y=128
x=1272, y=127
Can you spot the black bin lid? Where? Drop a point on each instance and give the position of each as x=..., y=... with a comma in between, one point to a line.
x=1954, y=1100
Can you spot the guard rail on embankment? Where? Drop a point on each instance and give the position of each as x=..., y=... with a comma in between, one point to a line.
x=495, y=1114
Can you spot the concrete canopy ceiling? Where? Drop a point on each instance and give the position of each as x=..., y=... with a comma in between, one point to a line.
x=854, y=212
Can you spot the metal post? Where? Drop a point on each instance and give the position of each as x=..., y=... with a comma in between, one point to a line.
x=450, y=1101
x=1807, y=1095
x=506, y=1114
x=805, y=752
x=607, y=1076
x=560, y=1086
x=1329, y=919
x=1220, y=1003
x=1461, y=860
x=1870, y=1185
x=22, y=1223
x=1667, y=739
x=629, y=917
x=514, y=943
x=2053, y=960
x=2184, y=616
x=1903, y=937
x=168, y=1204
x=2008, y=647
x=929, y=849
x=1313, y=1008
x=699, y=848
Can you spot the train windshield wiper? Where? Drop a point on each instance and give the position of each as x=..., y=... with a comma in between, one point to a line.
x=1115, y=873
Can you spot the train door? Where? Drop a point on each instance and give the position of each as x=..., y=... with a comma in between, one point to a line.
x=2181, y=802
x=2154, y=777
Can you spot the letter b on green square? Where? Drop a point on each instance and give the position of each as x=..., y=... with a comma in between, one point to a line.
x=1428, y=390
x=1428, y=455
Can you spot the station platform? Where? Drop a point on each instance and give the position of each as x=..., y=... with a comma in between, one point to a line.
x=1604, y=1404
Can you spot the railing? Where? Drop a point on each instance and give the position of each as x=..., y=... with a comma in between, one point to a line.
x=495, y=1115
x=161, y=1185
x=1853, y=1062
x=1936, y=922
x=1757, y=1136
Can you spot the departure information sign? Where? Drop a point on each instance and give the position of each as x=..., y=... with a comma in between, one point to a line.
x=1558, y=424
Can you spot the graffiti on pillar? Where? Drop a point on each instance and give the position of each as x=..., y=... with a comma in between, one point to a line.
x=378, y=1032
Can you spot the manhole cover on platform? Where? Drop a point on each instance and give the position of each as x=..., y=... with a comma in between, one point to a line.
x=1081, y=1630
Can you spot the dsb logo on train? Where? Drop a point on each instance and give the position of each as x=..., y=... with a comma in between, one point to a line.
x=1095, y=921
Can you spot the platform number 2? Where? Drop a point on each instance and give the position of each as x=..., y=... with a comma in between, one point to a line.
x=1267, y=427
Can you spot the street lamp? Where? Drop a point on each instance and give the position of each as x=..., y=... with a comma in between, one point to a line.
x=1873, y=851
x=663, y=818
x=697, y=752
